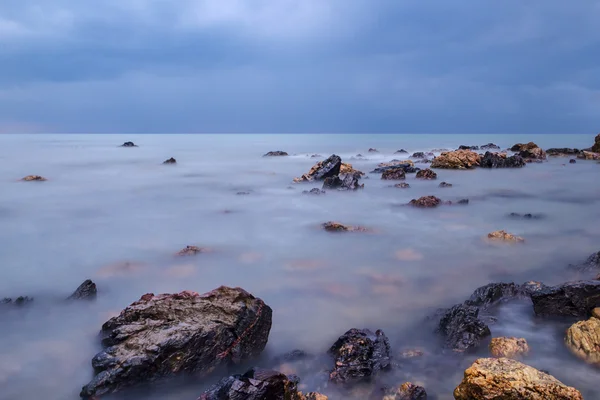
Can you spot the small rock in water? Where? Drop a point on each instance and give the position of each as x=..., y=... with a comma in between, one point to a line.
x=425, y=202
x=402, y=185
x=462, y=329
x=86, y=291
x=406, y=391
x=583, y=339
x=572, y=161
x=243, y=193
x=463, y=147
x=323, y=169
x=316, y=191
x=504, y=237
x=170, y=161
x=459, y=159
x=576, y=299
x=394, y=173
x=501, y=160
x=463, y=201
x=509, y=347
x=128, y=144
x=277, y=153
x=337, y=227
x=525, y=216
x=529, y=151
x=503, y=378
x=371, y=150
x=426, y=174
x=445, y=185
x=19, y=301
x=490, y=146
x=401, y=151
x=190, y=251
x=37, y=178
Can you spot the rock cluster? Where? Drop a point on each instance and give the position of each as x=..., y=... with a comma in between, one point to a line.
x=406, y=391
x=459, y=159
x=501, y=160
x=490, y=146
x=277, y=153
x=30, y=178
x=588, y=155
x=504, y=236
x=334, y=173
x=562, y=152
x=529, y=151
x=426, y=174
x=323, y=169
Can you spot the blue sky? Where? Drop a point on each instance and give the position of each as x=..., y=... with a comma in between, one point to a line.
x=408, y=66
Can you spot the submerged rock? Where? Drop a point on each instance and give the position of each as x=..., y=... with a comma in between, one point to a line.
x=561, y=152
x=19, y=301
x=170, y=161
x=395, y=173
x=463, y=147
x=277, y=153
x=459, y=159
x=190, y=251
x=426, y=174
x=425, y=202
x=359, y=355
x=401, y=151
x=504, y=236
x=525, y=216
x=406, y=391
x=86, y=291
x=128, y=144
x=183, y=333
x=576, y=299
x=315, y=191
x=583, y=339
x=509, y=347
x=490, y=146
x=331, y=226
x=445, y=185
x=323, y=169
x=503, y=378
x=37, y=178
x=501, y=160
x=462, y=329
x=402, y=185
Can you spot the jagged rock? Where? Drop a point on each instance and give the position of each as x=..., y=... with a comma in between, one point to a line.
x=259, y=384
x=462, y=329
x=173, y=334
x=346, y=168
x=396, y=173
x=504, y=237
x=371, y=150
x=314, y=191
x=463, y=147
x=277, y=153
x=190, y=251
x=418, y=154
x=459, y=159
x=87, y=290
x=529, y=151
x=506, y=379
x=509, y=347
x=561, y=152
x=426, y=174
x=576, y=299
x=493, y=293
x=401, y=151
x=596, y=146
x=128, y=144
x=323, y=169
x=348, y=182
x=406, y=391
x=588, y=155
x=359, y=355
x=402, y=185
x=583, y=339
x=445, y=185
x=501, y=160
x=425, y=202
x=331, y=226
x=37, y=178
x=591, y=264
x=490, y=146
x=170, y=161
x=19, y=301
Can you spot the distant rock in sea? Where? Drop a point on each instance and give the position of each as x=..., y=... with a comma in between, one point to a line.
x=129, y=144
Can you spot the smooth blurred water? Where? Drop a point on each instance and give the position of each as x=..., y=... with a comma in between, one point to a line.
x=103, y=205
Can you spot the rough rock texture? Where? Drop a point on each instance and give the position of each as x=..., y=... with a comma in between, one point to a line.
x=396, y=173
x=583, y=339
x=588, y=155
x=343, y=182
x=591, y=264
x=401, y=151
x=359, y=354
x=315, y=191
x=259, y=384
x=170, y=161
x=506, y=379
x=426, y=174
x=529, y=151
x=128, y=144
x=463, y=147
x=406, y=165
x=509, y=347
x=277, y=153
x=445, y=185
x=425, y=202
x=523, y=146
x=190, y=251
x=87, y=290
x=459, y=159
x=561, y=152
x=169, y=334
x=406, y=391
x=490, y=146
x=504, y=237
x=462, y=329
x=418, y=154
x=30, y=178
x=501, y=160
x=331, y=226
x=402, y=185
x=494, y=293
x=576, y=299
x=323, y=169
x=596, y=146
x=346, y=168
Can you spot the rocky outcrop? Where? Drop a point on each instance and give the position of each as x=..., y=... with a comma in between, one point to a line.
x=426, y=174
x=343, y=182
x=463, y=147
x=459, y=159
x=526, y=216
x=323, y=169
x=445, y=185
x=34, y=178
x=401, y=151
x=277, y=153
x=170, y=161
x=503, y=236
x=406, y=165
x=406, y=391
x=493, y=294
x=490, y=146
x=402, y=185
x=591, y=264
x=359, y=355
x=315, y=191
x=509, y=347
x=128, y=144
x=576, y=299
x=588, y=155
x=583, y=339
x=425, y=202
x=503, y=378
x=395, y=173
x=562, y=152
x=596, y=146
x=331, y=226
x=529, y=151
x=259, y=384
x=86, y=291
x=418, y=154
x=462, y=329
x=346, y=168
x=501, y=160
x=172, y=334
x=19, y=301
x=190, y=251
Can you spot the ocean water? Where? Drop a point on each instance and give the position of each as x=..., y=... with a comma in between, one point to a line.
x=104, y=205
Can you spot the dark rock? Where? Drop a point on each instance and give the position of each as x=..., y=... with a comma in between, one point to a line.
x=316, y=191
x=462, y=329
x=19, y=301
x=463, y=147
x=408, y=168
x=277, y=153
x=316, y=156
x=500, y=160
x=525, y=216
x=34, y=178
x=418, y=154
x=490, y=146
x=347, y=182
x=85, y=291
x=170, y=161
x=323, y=169
x=424, y=161
x=402, y=185
x=495, y=293
x=243, y=193
x=396, y=173
x=401, y=151
x=463, y=201
x=173, y=334
x=591, y=264
x=572, y=161
x=373, y=150
x=425, y=202
x=445, y=185
x=359, y=155
x=332, y=226
x=596, y=147
x=559, y=152
x=190, y=251
x=406, y=391
x=427, y=174
x=359, y=355
x=128, y=144
x=529, y=151
x=575, y=299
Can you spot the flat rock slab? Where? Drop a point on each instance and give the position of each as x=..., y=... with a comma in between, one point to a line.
x=576, y=299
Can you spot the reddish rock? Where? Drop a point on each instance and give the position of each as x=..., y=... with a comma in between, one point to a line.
x=425, y=202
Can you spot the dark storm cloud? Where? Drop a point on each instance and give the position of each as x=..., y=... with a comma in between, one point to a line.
x=299, y=66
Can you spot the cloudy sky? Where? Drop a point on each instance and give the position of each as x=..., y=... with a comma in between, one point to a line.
x=455, y=66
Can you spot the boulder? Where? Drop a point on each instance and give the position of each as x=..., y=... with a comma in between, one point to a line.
x=418, y=154
x=503, y=378
x=425, y=202
x=190, y=251
x=588, y=155
x=445, y=185
x=459, y=159
x=406, y=165
x=359, y=355
x=277, y=153
x=34, y=178
x=591, y=264
x=462, y=329
x=490, y=146
x=562, y=152
x=345, y=182
x=346, y=168
x=323, y=169
x=576, y=299
x=396, y=173
x=596, y=146
x=128, y=144
x=523, y=146
x=494, y=293
x=406, y=391
x=509, y=347
x=86, y=291
x=426, y=174
x=529, y=151
x=174, y=334
x=331, y=226
x=463, y=147
x=315, y=191
x=259, y=384
x=401, y=151
x=372, y=150
x=170, y=161
x=583, y=339
x=501, y=160
x=402, y=185
x=503, y=236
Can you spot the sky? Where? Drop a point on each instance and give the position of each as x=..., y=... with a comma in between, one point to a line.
x=318, y=66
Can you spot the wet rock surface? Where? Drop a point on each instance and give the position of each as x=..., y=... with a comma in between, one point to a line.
x=459, y=159
x=501, y=160
x=503, y=236
x=503, y=378
x=394, y=173
x=86, y=291
x=425, y=202
x=583, y=339
x=277, y=153
x=170, y=161
x=128, y=144
x=426, y=174
x=323, y=169
x=576, y=299
x=170, y=334
x=343, y=182
x=359, y=355
x=562, y=152
x=34, y=178
x=462, y=329
x=406, y=391
x=493, y=294
x=509, y=347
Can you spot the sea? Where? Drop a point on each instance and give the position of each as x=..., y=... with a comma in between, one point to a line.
x=117, y=216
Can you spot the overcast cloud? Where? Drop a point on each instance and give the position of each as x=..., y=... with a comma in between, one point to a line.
x=455, y=66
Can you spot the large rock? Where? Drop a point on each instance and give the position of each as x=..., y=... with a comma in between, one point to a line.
x=494, y=293
x=509, y=347
x=323, y=169
x=259, y=384
x=459, y=159
x=343, y=182
x=501, y=160
x=575, y=299
x=588, y=155
x=359, y=355
x=583, y=339
x=425, y=202
x=490, y=146
x=562, y=152
x=462, y=329
x=529, y=150
x=396, y=173
x=506, y=379
x=173, y=334
x=277, y=153
x=426, y=174
x=86, y=291
x=596, y=146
